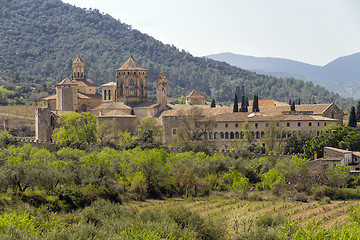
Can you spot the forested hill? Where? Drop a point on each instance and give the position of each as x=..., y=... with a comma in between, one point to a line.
x=43, y=37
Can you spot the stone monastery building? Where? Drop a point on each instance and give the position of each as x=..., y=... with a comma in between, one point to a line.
x=125, y=100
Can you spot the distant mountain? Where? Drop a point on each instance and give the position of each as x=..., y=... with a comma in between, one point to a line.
x=341, y=75
x=42, y=38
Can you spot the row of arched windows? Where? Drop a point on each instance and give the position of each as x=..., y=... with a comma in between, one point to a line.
x=255, y=135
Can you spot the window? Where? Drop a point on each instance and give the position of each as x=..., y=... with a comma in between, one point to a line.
x=309, y=124
x=215, y=125
x=131, y=88
x=299, y=124
x=288, y=124
x=325, y=124
x=318, y=124
x=174, y=131
x=266, y=124
x=277, y=124
x=226, y=135
x=236, y=125
x=256, y=125
x=226, y=125
x=109, y=94
x=104, y=94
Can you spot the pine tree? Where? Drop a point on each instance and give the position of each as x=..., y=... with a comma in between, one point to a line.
x=298, y=101
x=213, y=104
x=358, y=111
x=352, y=117
x=290, y=101
x=236, y=106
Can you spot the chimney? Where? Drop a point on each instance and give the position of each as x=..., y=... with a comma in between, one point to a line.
x=315, y=155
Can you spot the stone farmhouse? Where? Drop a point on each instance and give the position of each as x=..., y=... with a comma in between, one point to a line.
x=336, y=156
x=125, y=100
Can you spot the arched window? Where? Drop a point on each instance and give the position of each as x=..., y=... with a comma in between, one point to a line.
x=253, y=134
x=131, y=88
x=262, y=134
x=257, y=135
x=222, y=135
x=237, y=135
x=216, y=135
x=332, y=114
x=226, y=135
x=210, y=135
x=231, y=135
x=104, y=94
x=109, y=94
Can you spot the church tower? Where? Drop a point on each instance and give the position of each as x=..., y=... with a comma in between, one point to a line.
x=131, y=82
x=66, y=95
x=161, y=91
x=78, y=70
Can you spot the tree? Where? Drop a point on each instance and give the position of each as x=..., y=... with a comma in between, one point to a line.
x=246, y=132
x=105, y=130
x=273, y=136
x=76, y=127
x=352, y=117
x=256, y=104
x=358, y=111
x=246, y=104
x=298, y=103
x=292, y=106
x=193, y=126
x=236, y=106
x=151, y=124
x=181, y=99
x=243, y=104
x=213, y=104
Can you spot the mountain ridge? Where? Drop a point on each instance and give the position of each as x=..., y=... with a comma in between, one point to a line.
x=43, y=37
x=340, y=75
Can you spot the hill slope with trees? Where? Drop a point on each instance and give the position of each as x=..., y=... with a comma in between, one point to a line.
x=42, y=38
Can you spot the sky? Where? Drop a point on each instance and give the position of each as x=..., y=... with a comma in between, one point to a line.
x=311, y=31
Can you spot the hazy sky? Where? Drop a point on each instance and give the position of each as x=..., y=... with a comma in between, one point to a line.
x=312, y=31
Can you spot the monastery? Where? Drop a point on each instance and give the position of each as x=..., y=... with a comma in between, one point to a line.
x=125, y=100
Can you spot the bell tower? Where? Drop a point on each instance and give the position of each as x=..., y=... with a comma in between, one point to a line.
x=131, y=82
x=78, y=70
x=161, y=91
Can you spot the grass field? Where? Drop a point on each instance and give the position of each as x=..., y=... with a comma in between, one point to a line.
x=237, y=215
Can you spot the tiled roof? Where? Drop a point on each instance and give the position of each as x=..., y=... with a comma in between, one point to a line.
x=131, y=64
x=317, y=109
x=195, y=93
x=109, y=84
x=66, y=81
x=88, y=96
x=52, y=97
x=268, y=103
x=337, y=149
x=112, y=105
x=83, y=83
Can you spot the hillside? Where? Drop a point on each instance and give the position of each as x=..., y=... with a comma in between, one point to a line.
x=42, y=37
x=341, y=75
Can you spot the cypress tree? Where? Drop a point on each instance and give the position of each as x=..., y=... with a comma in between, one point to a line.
x=246, y=104
x=213, y=103
x=243, y=103
x=290, y=101
x=256, y=103
x=292, y=107
x=358, y=111
x=298, y=101
x=236, y=106
x=352, y=117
